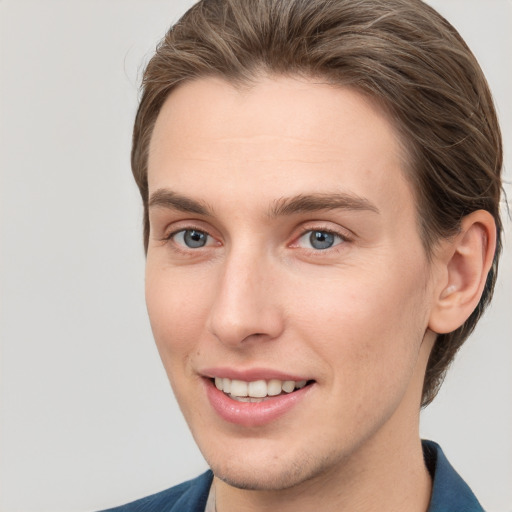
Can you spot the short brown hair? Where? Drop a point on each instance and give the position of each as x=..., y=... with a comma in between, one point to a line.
x=402, y=53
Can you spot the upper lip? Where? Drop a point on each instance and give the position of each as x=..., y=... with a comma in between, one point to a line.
x=250, y=374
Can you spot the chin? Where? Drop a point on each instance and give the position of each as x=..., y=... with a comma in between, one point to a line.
x=261, y=480
x=274, y=475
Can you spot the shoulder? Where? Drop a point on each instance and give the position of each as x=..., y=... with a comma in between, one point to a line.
x=188, y=496
x=449, y=491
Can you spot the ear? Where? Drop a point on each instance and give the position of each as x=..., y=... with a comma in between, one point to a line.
x=464, y=262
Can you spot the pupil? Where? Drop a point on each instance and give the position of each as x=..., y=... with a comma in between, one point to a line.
x=321, y=240
x=194, y=238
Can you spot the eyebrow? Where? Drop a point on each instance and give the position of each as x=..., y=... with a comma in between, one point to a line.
x=304, y=203
x=165, y=198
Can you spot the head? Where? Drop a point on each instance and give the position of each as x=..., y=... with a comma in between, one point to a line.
x=406, y=66
x=402, y=54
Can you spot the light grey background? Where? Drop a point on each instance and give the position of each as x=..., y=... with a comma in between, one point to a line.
x=87, y=416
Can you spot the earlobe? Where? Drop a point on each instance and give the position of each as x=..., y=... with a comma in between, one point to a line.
x=466, y=260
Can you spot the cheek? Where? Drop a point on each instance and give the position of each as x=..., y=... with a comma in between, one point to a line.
x=177, y=311
x=368, y=329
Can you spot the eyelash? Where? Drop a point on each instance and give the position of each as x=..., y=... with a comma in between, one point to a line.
x=178, y=247
x=318, y=229
x=342, y=236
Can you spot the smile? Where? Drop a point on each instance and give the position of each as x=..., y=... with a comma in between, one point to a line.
x=257, y=390
x=258, y=402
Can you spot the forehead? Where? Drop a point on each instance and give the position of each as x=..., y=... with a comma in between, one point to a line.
x=281, y=136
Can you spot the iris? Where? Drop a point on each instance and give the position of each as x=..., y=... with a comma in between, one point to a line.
x=321, y=239
x=194, y=239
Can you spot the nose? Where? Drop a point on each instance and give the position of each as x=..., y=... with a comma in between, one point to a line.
x=245, y=306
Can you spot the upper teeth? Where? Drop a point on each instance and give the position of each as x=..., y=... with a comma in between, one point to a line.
x=257, y=388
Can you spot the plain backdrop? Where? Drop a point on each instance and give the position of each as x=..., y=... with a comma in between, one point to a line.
x=87, y=416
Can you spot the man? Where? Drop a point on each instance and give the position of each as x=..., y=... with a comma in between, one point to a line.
x=321, y=184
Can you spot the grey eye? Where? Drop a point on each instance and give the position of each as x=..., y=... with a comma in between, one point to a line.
x=319, y=240
x=191, y=238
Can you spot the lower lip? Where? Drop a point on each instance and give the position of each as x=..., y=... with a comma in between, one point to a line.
x=253, y=414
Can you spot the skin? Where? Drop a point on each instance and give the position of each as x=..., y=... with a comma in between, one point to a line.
x=354, y=317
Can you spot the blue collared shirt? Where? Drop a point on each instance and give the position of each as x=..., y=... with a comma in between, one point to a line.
x=449, y=492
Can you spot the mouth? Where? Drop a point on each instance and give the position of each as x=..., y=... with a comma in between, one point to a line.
x=258, y=390
x=255, y=397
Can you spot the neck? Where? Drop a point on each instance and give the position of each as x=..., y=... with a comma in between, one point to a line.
x=393, y=478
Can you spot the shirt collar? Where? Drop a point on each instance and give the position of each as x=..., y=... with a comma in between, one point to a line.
x=449, y=491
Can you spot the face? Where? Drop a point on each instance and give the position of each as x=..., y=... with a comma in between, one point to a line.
x=286, y=284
